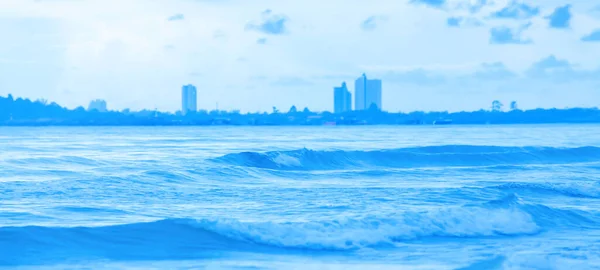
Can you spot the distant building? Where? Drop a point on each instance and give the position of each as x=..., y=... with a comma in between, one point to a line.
x=188, y=99
x=98, y=105
x=342, y=99
x=366, y=93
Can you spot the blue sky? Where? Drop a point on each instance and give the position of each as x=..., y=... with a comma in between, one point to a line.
x=252, y=55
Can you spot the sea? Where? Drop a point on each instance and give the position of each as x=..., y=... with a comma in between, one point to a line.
x=318, y=197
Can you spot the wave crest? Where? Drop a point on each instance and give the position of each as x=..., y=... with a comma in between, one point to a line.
x=193, y=238
x=353, y=233
x=450, y=155
x=577, y=189
x=338, y=234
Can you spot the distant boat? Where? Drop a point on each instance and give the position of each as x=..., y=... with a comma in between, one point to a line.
x=442, y=122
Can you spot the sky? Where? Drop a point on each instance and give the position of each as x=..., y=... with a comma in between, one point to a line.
x=431, y=55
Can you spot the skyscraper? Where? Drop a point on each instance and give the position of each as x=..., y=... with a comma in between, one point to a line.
x=188, y=99
x=342, y=99
x=373, y=94
x=98, y=105
x=366, y=93
x=360, y=89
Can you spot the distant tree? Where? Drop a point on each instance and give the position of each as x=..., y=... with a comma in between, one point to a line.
x=497, y=106
x=293, y=110
x=275, y=110
x=306, y=110
x=513, y=106
x=10, y=97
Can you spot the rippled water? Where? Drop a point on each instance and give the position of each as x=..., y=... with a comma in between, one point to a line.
x=481, y=197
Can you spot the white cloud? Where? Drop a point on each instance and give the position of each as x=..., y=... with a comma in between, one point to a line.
x=129, y=53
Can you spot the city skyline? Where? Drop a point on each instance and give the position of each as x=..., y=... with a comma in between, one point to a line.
x=367, y=93
x=431, y=54
x=18, y=111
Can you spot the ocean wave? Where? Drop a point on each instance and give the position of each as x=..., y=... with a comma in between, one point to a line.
x=532, y=260
x=579, y=190
x=176, y=239
x=507, y=216
x=191, y=238
x=342, y=234
x=54, y=160
x=431, y=156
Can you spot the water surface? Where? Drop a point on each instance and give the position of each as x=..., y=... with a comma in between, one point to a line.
x=383, y=197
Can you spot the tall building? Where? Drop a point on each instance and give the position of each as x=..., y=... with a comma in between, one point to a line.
x=98, y=105
x=373, y=94
x=342, y=99
x=366, y=93
x=188, y=99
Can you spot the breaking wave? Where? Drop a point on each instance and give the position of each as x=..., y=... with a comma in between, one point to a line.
x=431, y=156
x=189, y=238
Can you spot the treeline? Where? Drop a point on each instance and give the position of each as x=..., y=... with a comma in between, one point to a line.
x=31, y=113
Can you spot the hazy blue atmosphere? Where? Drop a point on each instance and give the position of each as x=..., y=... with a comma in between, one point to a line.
x=252, y=55
x=281, y=134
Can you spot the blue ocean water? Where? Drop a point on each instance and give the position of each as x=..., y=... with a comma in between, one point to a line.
x=377, y=197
